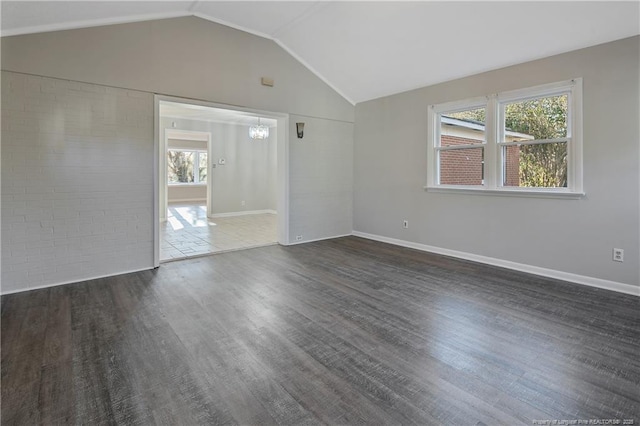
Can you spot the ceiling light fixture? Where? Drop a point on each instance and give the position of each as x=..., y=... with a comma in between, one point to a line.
x=259, y=132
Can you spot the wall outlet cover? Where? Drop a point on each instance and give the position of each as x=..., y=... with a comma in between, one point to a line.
x=618, y=255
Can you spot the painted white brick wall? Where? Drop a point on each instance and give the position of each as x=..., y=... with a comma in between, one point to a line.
x=77, y=181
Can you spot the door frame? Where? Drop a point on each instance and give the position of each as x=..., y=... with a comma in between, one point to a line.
x=159, y=165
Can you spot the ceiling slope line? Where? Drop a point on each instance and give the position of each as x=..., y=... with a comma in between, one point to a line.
x=312, y=9
x=210, y=18
x=89, y=23
x=279, y=43
x=176, y=14
x=193, y=5
x=316, y=73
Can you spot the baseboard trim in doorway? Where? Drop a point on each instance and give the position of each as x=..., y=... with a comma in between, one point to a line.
x=185, y=201
x=294, y=243
x=243, y=213
x=530, y=269
x=211, y=253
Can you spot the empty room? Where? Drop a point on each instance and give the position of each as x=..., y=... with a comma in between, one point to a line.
x=320, y=212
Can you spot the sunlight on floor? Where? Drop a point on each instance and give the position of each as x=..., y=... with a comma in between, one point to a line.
x=196, y=216
x=173, y=221
x=188, y=232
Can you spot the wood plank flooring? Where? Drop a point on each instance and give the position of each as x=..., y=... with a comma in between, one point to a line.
x=343, y=331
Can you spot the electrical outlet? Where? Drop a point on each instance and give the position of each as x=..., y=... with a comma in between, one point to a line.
x=242, y=203
x=298, y=237
x=618, y=255
x=405, y=224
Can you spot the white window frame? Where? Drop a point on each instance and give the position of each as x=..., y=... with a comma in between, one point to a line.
x=494, y=137
x=196, y=167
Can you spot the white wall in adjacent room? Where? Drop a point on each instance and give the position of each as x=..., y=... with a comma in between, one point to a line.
x=249, y=171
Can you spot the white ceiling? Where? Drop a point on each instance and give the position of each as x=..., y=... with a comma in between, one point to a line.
x=365, y=50
x=216, y=115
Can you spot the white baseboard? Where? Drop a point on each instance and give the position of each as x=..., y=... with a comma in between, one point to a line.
x=97, y=277
x=295, y=243
x=243, y=213
x=187, y=200
x=551, y=273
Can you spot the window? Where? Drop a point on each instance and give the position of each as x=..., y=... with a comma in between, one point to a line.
x=524, y=141
x=186, y=167
x=461, y=148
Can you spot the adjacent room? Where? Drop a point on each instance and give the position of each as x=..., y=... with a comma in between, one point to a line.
x=320, y=212
x=220, y=191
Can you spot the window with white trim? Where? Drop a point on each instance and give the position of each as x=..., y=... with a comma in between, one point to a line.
x=186, y=167
x=521, y=141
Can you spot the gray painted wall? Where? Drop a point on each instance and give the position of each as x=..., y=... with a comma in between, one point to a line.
x=574, y=236
x=385, y=169
x=188, y=57
x=320, y=190
x=249, y=172
x=181, y=57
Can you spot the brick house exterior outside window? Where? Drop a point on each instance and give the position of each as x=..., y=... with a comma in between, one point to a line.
x=465, y=166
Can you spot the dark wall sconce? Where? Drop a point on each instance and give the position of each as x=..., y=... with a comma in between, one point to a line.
x=300, y=130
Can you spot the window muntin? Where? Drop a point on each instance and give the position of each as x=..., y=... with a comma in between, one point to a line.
x=531, y=141
x=186, y=167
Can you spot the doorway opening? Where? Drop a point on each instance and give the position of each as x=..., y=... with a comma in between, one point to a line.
x=218, y=188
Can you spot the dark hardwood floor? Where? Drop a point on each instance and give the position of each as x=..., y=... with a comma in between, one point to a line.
x=344, y=331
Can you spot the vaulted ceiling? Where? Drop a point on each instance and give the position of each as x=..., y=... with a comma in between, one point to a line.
x=366, y=50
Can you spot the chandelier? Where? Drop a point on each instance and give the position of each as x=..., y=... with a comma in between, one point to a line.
x=259, y=132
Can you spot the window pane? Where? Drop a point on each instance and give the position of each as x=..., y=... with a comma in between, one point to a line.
x=462, y=127
x=462, y=166
x=202, y=172
x=180, y=166
x=536, y=166
x=541, y=118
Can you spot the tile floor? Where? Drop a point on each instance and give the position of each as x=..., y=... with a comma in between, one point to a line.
x=188, y=232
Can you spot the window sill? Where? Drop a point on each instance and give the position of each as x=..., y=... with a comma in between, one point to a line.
x=533, y=193
x=186, y=184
